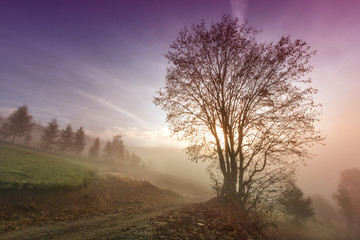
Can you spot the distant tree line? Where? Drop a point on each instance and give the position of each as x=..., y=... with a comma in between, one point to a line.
x=20, y=124
x=113, y=151
x=65, y=141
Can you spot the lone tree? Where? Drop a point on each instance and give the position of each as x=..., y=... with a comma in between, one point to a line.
x=48, y=139
x=294, y=203
x=66, y=139
x=94, y=149
x=20, y=125
x=242, y=104
x=79, y=141
x=348, y=197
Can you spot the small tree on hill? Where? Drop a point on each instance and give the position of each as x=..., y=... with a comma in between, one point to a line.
x=348, y=197
x=48, y=139
x=79, y=141
x=94, y=149
x=66, y=139
x=20, y=125
x=118, y=148
x=107, y=151
x=294, y=203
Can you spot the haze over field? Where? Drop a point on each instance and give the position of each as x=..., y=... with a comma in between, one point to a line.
x=99, y=65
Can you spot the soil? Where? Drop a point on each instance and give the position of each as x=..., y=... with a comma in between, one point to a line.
x=214, y=219
x=118, y=208
x=108, y=206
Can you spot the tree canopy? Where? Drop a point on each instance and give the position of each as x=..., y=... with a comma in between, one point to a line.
x=94, y=149
x=48, y=138
x=115, y=150
x=243, y=105
x=294, y=203
x=79, y=141
x=348, y=197
x=66, y=140
x=20, y=124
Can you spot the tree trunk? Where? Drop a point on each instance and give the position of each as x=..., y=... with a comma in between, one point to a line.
x=229, y=186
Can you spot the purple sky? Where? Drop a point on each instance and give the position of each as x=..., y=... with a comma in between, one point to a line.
x=95, y=64
x=98, y=64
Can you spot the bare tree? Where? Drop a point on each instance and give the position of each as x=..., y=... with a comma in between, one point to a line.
x=48, y=139
x=20, y=124
x=242, y=104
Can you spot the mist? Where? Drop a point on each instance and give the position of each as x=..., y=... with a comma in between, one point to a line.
x=124, y=115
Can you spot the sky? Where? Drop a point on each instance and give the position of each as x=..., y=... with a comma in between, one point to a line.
x=97, y=64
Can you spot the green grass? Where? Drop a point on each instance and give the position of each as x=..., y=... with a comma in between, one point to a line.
x=26, y=168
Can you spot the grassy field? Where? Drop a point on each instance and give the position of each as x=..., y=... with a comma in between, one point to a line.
x=26, y=168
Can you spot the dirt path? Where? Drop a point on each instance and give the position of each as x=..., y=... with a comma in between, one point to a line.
x=133, y=223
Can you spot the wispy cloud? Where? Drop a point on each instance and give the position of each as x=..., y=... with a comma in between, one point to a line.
x=111, y=106
x=144, y=136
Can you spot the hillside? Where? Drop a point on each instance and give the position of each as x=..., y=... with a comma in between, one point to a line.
x=106, y=195
x=117, y=203
x=26, y=168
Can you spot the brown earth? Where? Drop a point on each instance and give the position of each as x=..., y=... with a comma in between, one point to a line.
x=28, y=215
x=214, y=219
x=121, y=208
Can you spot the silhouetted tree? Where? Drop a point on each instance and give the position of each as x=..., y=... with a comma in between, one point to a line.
x=241, y=103
x=79, y=141
x=94, y=149
x=348, y=197
x=66, y=139
x=118, y=148
x=294, y=203
x=20, y=124
x=48, y=139
x=107, y=152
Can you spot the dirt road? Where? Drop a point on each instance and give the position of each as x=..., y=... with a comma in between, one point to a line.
x=138, y=222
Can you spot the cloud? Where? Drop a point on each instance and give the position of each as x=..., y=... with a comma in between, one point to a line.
x=111, y=106
x=144, y=136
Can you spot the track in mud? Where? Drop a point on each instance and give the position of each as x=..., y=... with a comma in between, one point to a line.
x=137, y=223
